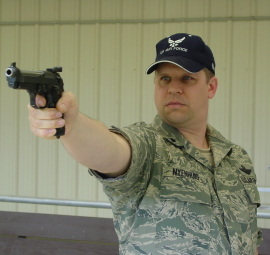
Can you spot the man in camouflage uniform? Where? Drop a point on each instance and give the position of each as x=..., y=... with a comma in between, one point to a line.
x=176, y=186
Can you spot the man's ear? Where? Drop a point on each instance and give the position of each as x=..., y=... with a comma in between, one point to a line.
x=212, y=87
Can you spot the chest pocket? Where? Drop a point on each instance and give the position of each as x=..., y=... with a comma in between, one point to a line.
x=183, y=185
x=184, y=214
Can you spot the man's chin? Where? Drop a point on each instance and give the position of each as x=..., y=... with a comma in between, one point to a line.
x=174, y=118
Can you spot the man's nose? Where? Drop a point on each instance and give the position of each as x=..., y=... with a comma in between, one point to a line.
x=175, y=87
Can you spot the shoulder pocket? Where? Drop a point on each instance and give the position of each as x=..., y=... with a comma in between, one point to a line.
x=251, y=191
x=248, y=179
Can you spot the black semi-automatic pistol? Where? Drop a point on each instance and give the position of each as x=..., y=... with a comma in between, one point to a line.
x=47, y=83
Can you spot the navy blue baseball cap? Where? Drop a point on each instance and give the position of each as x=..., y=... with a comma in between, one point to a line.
x=186, y=51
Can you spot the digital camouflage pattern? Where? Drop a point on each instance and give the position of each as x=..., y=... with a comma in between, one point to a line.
x=172, y=201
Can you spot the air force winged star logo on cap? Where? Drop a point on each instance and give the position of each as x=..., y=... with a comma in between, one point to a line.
x=184, y=50
x=175, y=43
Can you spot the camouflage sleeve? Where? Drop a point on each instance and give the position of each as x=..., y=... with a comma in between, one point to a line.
x=134, y=182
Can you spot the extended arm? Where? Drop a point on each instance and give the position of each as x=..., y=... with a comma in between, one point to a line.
x=88, y=141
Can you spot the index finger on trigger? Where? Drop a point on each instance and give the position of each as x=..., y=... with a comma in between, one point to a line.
x=40, y=101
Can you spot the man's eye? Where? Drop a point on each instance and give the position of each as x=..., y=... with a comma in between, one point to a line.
x=187, y=78
x=165, y=78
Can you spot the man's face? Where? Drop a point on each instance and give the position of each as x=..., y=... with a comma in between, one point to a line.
x=181, y=97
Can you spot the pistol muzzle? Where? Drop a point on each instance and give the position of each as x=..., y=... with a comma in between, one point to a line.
x=10, y=72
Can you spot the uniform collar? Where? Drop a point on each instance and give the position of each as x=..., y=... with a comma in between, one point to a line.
x=218, y=144
x=168, y=132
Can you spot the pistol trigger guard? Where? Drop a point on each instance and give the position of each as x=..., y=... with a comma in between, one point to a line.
x=32, y=95
x=49, y=101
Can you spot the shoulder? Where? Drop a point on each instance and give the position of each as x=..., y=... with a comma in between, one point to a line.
x=138, y=130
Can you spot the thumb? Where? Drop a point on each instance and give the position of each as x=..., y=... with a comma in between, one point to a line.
x=67, y=101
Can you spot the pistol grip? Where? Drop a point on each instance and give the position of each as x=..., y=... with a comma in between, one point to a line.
x=50, y=104
x=60, y=131
x=53, y=98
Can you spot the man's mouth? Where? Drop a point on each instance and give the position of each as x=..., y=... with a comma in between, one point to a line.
x=174, y=104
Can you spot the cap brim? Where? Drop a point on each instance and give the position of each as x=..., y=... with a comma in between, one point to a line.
x=185, y=63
